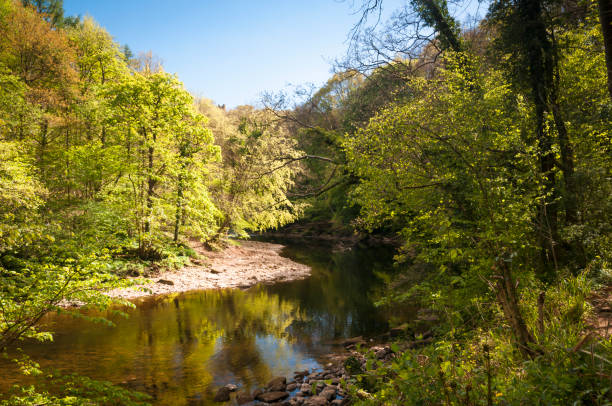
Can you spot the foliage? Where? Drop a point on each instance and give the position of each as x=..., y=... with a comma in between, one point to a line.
x=482, y=366
x=256, y=169
x=487, y=151
x=497, y=185
x=107, y=169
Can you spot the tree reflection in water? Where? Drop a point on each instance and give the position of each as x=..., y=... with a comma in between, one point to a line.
x=180, y=347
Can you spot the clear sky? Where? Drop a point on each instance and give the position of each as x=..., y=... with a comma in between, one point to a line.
x=232, y=50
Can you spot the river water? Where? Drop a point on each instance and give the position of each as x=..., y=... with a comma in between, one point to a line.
x=180, y=348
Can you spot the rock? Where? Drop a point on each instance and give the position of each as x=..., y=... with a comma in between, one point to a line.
x=223, y=395
x=382, y=353
x=301, y=373
x=244, y=397
x=270, y=397
x=339, y=402
x=328, y=393
x=361, y=394
x=291, y=387
x=165, y=282
x=231, y=387
x=320, y=386
x=277, y=384
x=306, y=389
x=316, y=401
x=298, y=400
x=353, y=341
x=257, y=392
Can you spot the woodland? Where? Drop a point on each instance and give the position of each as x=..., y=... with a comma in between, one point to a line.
x=484, y=152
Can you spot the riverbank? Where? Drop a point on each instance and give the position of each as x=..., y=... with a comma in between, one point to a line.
x=241, y=337
x=325, y=231
x=334, y=384
x=237, y=266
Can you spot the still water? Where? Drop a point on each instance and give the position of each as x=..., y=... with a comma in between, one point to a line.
x=180, y=348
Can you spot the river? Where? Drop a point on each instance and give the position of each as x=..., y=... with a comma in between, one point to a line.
x=179, y=348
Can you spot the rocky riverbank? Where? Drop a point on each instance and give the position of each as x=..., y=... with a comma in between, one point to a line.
x=237, y=266
x=324, y=387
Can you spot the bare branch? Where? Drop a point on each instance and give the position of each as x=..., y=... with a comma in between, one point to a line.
x=291, y=160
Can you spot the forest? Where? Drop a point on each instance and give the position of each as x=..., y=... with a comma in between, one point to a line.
x=483, y=152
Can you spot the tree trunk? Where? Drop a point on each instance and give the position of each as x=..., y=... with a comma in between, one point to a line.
x=150, y=189
x=566, y=150
x=179, y=208
x=539, y=53
x=44, y=140
x=605, y=18
x=441, y=24
x=548, y=210
x=506, y=295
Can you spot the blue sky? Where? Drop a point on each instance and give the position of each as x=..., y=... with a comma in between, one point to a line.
x=232, y=50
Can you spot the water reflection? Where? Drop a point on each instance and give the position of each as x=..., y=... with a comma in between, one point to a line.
x=180, y=347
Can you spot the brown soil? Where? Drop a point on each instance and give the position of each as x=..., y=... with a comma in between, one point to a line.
x=602, y=320
x=240, y=266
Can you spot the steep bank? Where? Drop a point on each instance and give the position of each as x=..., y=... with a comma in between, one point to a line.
x=327, y=231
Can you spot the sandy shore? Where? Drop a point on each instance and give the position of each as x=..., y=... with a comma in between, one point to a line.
x=240, y=266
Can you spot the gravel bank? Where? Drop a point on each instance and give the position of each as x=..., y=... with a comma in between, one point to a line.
x=241, y=266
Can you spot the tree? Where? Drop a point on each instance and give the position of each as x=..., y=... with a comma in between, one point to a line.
x=194, y=149
x=44, y=60
x=448, y=165
x=52, y=10
x=605, y=18
x=257, y=169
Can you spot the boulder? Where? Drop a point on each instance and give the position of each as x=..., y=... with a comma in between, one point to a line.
x=270, y=397
x=223, y=395
x=231, y=387
x=382, y=353
x=291, y=387
x=328, y=393
x=244, y=397
x=298, y=401
x=301, y=373
x=277, y=384
x=306, y=389
x=316, y=401
x=353, y=341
